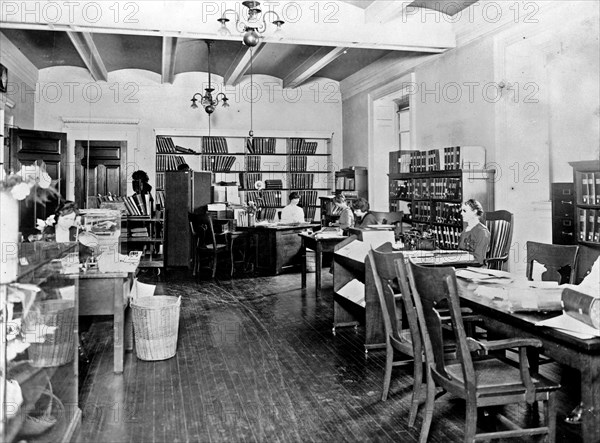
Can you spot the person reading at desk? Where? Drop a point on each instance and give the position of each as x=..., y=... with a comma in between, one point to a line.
x=292, y=213
x=475, y=238
x=364, y=217
x=346, y=219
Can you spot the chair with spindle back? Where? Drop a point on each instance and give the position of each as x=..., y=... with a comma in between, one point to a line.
x=500, y=225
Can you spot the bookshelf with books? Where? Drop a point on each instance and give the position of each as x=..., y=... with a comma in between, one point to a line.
x=352, y=182
x=430, y=186
x=586, y=179
x=265, y=169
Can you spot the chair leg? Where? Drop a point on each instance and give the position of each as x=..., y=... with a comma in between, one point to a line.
x=550, y=412
x=389, y=360
x=416, y=393
x=214, y=265
x=429, y=403
x=470, y=422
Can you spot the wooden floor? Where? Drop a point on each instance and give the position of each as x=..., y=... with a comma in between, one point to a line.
x=257, y=362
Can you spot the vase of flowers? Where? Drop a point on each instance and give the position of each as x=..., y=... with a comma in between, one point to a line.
x=251, y=210
x=13, y=188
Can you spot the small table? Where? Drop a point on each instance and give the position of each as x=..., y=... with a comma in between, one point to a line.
x=319, y=245
x=107, y=293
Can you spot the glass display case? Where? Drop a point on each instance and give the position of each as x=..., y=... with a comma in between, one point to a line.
x=39, y=345
x=101, y=231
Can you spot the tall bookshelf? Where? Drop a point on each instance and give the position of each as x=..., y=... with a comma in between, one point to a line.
x=586, y=179
x=265, y=169
x=430, y=187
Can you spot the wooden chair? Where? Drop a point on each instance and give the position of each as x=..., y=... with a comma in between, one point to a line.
x=559, y=261
x=205, y=241
x=500, y=225
x=397, y=340
x=483, y=382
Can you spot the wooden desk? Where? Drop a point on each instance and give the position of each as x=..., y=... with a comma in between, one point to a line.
x=583, y=355
x=280, y=246
x=107, y=293
x=319, y=245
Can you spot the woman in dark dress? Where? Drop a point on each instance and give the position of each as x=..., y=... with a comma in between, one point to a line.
x=475, y=238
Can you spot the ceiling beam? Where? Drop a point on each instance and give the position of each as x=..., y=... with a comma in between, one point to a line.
x=320, y=58
x=384, y=11
x=241, y=64
x=88, y=52
x=169, y=47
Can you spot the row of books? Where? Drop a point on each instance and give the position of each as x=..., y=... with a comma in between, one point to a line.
x=218, y=163
x=273, y=184
x=589, y=225
x=301, y=181
x=165, y=145
x=299, y=146
x=159, y=200
x=308, y=198
x=134, y=205
x=344, y=183
x=168, y=162
x=265, y=199
x=309, y=213
x=446, y=236
x=253, y=163
x=448, y=158
x=297, y=163
x=248, y=179
x=214, y=145
x=140, y=231
x=449, y=213
x=441, y=188
x=589, y=183
x=259, y=145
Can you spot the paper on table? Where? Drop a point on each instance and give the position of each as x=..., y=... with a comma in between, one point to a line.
x=354, y=291
x=570, y=326
x=355, y=250
x=377, y=238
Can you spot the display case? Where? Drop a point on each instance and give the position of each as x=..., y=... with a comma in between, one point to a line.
x=39, y=352
x=101, y=230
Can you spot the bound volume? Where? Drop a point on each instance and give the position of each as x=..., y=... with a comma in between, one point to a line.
x=583, y=307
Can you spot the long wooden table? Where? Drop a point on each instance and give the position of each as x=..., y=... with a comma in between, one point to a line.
x=107, y=293
x=583, y=355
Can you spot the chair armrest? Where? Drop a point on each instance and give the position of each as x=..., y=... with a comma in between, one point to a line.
x=499, y=345
x=497, y=260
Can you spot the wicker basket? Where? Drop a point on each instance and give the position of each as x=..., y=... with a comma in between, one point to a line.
x=155, y=326
x=58, y=347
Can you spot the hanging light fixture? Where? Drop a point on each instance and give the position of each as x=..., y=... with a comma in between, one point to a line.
x=207, y=100
x=253, y=25
x=251, y=132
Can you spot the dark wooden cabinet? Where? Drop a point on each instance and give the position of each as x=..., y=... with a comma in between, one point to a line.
x=185, y=191
x=563, y=214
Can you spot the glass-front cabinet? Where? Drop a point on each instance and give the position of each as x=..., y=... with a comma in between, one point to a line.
x=39, y=352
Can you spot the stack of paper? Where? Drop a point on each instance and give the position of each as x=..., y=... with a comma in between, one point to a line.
x=571, y=326
x=354, y=291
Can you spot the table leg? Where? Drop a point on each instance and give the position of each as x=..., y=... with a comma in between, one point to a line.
x=119, y=325
x=590, y=396
x=303, y=249
x=128, y=329
x=318, y=259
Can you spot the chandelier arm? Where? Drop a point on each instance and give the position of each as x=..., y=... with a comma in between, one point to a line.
x=264, y=20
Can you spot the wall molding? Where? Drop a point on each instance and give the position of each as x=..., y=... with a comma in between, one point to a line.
x=100, y=121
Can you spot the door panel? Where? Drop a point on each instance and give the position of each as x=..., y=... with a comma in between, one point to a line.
x=105, y=171
x=46, y=148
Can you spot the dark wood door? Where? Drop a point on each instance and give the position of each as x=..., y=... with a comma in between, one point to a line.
x=100, y=168
x=49, y=149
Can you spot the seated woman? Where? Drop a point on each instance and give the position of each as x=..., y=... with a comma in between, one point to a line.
x=292, y=213
x=346, y=219
x=66, y=229
x=361, y=211
x=476, y=237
